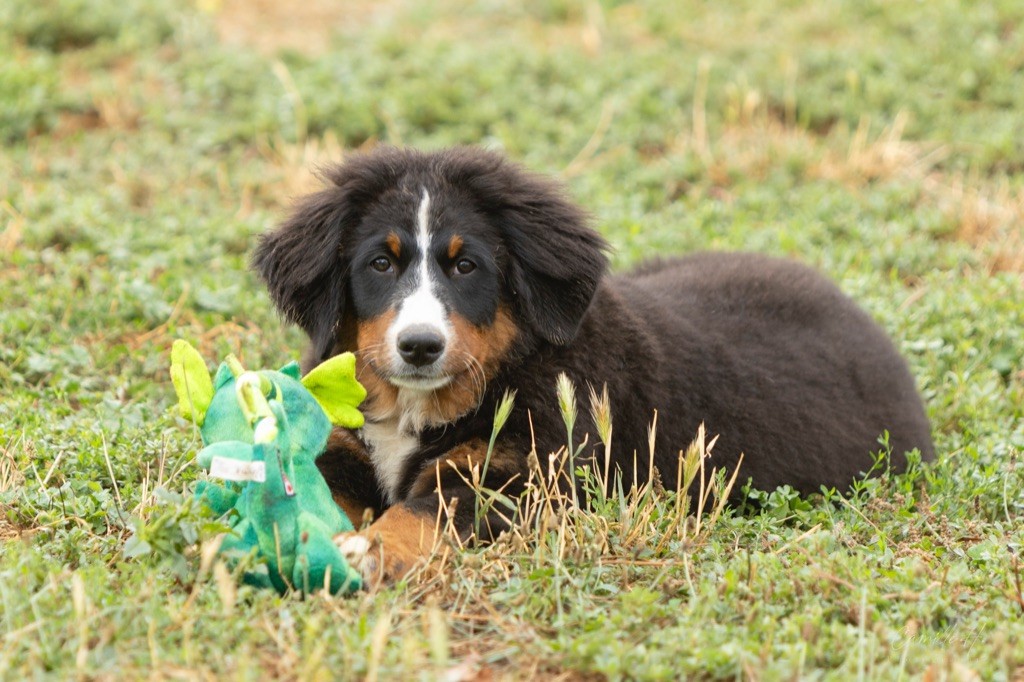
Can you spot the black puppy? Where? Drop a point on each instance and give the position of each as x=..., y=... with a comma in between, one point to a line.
x=457, y=276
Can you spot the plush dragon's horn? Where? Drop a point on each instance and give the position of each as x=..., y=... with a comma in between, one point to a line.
x=191, y=381
x=333, y=383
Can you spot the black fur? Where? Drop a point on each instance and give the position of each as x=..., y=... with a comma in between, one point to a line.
x=767, y=353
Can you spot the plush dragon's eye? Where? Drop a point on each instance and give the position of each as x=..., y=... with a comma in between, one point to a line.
x=381, y=264
x=465, y=266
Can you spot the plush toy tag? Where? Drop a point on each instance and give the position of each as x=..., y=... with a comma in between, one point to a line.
x=230, y=469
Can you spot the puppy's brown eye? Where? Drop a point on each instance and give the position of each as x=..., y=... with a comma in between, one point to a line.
x=381, y=264
x=465, y=266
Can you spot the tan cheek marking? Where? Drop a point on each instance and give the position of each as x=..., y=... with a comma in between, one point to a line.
x=503, y=335
x=455, y=400
x=454, y=246
x=372, y=332
x=371, y=354
x=487, y=346
x=394, y=245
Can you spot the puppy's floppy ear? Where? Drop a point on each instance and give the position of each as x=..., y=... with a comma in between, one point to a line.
x=304, y=261
x=556, y=259
x=557, y=263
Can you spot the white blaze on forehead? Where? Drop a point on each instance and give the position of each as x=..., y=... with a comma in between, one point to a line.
x=422, y=306
x=423, y=223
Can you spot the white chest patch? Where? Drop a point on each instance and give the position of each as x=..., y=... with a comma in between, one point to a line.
x=392, y=441
x=389, y=450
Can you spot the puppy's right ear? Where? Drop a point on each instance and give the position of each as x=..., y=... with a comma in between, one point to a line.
x=302, y=264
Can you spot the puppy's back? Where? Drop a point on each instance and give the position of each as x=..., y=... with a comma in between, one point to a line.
x=782, y=364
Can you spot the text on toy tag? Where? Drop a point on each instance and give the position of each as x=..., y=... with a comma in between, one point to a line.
x=236, y=470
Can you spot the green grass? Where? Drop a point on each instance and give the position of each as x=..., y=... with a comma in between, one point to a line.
x=879, y=141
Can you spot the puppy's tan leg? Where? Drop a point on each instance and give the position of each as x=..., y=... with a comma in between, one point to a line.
x=392, y=546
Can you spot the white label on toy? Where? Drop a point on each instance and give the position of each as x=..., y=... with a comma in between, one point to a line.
x=237, y=470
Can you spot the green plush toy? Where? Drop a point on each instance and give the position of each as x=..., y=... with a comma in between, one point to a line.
x=263, y=432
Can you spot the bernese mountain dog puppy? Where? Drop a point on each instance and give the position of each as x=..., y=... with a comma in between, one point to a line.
x=457, y=276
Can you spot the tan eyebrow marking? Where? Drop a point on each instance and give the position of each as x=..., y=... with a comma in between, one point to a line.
x=394, y=244
x=454, y=246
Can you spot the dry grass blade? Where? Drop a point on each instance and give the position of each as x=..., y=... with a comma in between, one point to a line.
x=10, y=476
x=553, y=527
x=296, y=164
x=11, y=235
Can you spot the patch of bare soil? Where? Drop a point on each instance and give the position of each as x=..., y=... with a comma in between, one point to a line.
x=307, y=27
x=7, y=531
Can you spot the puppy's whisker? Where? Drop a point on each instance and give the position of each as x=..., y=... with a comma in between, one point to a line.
x=478, y=374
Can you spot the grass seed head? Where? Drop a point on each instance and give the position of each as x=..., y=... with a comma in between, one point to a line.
x=566, y=392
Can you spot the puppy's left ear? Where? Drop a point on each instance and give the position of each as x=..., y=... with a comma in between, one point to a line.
x=557, y=260
x=301, y=264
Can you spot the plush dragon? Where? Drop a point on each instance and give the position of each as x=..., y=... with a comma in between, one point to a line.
x=262, y=432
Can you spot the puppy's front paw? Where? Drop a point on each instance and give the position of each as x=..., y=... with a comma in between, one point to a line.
x=379, y=562
x=358, y=551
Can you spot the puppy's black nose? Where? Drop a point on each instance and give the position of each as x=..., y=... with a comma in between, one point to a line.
x=420, y=345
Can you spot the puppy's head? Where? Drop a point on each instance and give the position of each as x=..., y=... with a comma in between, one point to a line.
x=432, y=267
